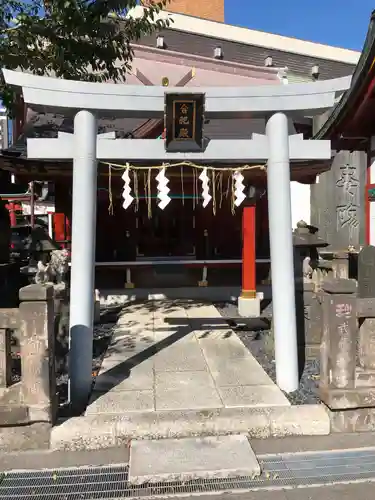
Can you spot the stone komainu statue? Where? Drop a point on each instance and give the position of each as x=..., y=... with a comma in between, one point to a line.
x=55, y=270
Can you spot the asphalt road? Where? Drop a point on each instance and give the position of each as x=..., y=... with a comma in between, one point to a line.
x=34, y=460
x=360, y=491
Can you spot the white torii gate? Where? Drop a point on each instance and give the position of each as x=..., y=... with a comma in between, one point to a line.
x=85, y=147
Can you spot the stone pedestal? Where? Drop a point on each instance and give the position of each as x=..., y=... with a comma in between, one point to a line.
x=249, y=307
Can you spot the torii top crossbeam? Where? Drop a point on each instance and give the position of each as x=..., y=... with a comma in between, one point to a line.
x=148, y=102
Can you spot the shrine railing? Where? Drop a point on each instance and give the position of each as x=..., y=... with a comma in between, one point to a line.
x=205, y=264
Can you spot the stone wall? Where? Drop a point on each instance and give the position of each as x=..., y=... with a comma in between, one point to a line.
x=207, y=9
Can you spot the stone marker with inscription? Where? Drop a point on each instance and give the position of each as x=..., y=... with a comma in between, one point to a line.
x=336, y=201
x=338, y=347
x=339, y=334
x=366, y=296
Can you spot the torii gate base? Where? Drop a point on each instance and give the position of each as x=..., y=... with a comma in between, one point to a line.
x=85, y=147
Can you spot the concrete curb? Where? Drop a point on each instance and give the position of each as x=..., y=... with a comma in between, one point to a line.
x=106, y=431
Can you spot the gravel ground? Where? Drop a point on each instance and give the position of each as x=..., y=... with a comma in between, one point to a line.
x=102, y=338
x=258, y=339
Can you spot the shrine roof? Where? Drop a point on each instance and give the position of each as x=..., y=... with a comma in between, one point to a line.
x=351, y=122
x=245, y=53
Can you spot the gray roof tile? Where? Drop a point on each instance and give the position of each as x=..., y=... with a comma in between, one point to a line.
x=248, y=54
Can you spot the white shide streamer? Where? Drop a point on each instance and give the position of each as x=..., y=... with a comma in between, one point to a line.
x=163, y=189
x=126, y=193
x=205, y=188
x=239, y=188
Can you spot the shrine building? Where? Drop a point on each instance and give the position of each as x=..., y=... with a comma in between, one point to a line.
x=198, y=50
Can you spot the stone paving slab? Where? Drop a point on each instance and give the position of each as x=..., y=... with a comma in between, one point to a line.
x=119, y=402
x=163, y=358
x=119, y=353
x=192, y=458
x=123, y=377
x=177, y=336
x=214, y=333
x=163, y=312
x=185, y=390
x=202, y=311
x=239, y=372
x=225, y=348
x=250, y=396
x=187, y=356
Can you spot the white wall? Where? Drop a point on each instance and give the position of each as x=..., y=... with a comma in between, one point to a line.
x=300, y=197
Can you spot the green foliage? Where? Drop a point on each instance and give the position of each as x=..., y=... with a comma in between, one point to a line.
x=86, y=40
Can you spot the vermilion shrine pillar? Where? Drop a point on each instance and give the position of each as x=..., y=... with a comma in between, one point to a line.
x=249, y=301
x=248, y=252
x=12, y=214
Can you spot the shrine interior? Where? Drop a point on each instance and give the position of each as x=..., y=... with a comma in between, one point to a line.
x=183, y=231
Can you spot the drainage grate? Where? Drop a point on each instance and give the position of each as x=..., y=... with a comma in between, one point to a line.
x=111, y=482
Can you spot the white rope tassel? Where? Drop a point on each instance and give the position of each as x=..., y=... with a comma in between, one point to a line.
x=239, y=188
x=206, y=197
x=163, y=189
x=126, y=194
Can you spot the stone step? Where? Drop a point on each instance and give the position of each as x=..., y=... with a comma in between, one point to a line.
x=210, y=457
x=98, y=431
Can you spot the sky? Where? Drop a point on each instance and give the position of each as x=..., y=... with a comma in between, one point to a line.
x=341, y=23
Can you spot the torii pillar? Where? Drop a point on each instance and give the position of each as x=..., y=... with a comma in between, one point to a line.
x=83, y=257
x=281, y=249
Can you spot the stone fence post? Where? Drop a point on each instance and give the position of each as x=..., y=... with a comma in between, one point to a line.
x=37, y=340
x=366, y=307
x=339, y=341
x=306, y=242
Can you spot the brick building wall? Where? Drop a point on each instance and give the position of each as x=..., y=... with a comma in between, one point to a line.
x=205, y=9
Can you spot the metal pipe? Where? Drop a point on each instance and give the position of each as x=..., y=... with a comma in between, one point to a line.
x=281, y=246
x=83, y=258
x=204, y=273
x=32, y=204
x=50, y=225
